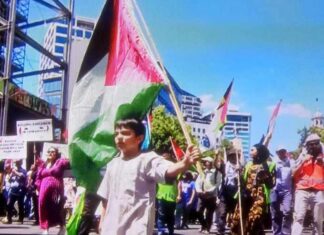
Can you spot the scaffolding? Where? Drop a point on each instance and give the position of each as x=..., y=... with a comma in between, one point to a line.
x=13, y=40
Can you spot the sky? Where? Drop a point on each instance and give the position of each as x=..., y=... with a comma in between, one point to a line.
x=272, y=48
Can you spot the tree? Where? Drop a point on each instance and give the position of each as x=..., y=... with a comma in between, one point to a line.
x=165, y=126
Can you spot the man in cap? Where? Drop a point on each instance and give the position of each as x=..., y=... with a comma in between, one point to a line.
x=206, y=187
x=309, y=179
x=281, y=194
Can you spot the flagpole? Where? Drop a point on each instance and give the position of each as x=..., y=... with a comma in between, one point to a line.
x=170, y=90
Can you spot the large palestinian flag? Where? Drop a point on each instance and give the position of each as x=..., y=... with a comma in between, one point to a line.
x=119, y=78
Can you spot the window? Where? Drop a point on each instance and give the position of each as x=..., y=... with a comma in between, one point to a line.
x=59, y=49
x=88, y=34
x=79, y=33
x=60, y=39
x=193, y=129
x=60, y=29
x=198, y=130
x=52, y=86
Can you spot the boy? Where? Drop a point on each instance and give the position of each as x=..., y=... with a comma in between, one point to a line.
x=129, y=185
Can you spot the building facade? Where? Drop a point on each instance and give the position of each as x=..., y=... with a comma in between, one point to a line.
x=55, y=40
x=238, y=125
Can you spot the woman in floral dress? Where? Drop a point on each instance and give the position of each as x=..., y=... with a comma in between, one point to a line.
x=258, y=178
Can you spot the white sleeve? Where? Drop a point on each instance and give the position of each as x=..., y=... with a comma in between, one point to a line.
x=156, y=167
x=198, y=184
x=103, y=189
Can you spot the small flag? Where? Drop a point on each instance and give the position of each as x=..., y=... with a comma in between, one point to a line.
x=178, y=152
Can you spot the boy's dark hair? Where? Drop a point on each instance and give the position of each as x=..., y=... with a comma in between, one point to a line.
x=135, y=124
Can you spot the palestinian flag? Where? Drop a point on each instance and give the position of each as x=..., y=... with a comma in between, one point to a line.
x=119, y=78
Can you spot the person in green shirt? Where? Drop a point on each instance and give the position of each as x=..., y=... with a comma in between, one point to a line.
x=166, y=204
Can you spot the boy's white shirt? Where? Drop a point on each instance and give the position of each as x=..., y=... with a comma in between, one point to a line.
x=130, y=188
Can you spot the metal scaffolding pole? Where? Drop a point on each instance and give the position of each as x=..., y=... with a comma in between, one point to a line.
x=65, y=79
x=8, y=65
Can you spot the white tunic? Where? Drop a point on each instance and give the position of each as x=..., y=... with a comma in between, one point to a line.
x=130, y=188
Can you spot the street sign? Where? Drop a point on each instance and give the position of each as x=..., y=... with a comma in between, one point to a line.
x=12, y=147
x=35, y=130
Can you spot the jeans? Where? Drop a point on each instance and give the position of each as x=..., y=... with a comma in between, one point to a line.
x=303, y=199
x=165, y=215
x=281, y=211
x=10, y=206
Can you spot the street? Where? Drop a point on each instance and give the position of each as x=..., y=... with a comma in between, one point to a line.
x=28, y=228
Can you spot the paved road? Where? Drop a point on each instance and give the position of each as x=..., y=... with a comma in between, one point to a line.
x=28, y=228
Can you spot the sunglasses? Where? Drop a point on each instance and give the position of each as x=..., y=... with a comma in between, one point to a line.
x=313, y=144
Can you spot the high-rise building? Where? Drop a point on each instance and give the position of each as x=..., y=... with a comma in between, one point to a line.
x=238, y=125
x=55, y=40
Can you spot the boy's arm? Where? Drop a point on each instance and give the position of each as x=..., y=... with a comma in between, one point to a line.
x=191, y=156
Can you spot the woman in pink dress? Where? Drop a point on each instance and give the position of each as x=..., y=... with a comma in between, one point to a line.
x=51, y=191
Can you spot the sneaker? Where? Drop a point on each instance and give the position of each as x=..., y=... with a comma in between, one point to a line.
x=6, y=221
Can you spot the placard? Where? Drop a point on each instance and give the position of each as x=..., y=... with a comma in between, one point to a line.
x=35, y=130
x=12, y=147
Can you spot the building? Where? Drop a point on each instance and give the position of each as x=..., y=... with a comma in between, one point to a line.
x=191, y=106
x=50, y=84
x=318, y=120
x=238, y=125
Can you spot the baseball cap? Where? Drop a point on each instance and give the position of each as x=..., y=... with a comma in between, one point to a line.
x=312, y=137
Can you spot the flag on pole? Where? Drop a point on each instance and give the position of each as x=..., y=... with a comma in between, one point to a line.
x=213, y=134
x=119, y=78
x=273, y=119
x=223, y=107
x=178, y=152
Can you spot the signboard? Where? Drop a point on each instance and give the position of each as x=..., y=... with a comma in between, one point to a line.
x=12, y=147
x=35, y=130
x=63, y=149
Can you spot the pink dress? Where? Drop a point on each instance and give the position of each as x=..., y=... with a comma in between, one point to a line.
x=51, y=193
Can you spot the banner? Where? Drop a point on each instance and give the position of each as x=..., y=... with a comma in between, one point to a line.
x=12, y=147
x=35, y=130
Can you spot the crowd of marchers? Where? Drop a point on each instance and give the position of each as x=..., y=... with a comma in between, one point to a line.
x=274, y=191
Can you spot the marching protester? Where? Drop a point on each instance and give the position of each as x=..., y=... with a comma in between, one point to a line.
x=185, y=200
x=5, y=185
x=281, y=194
x=49, y=182
x=17, y=190
x=207, y=188
x=166, y=204
x=259, y=178
x=309, y=183
x=129, y=185
x=229, y=188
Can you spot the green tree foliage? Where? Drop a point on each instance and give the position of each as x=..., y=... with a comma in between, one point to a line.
x=165, y=126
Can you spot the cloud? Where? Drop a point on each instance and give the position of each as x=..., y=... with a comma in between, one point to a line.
x=296, y=110
x=209, y=103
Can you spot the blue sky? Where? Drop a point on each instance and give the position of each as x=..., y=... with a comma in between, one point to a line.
x=273, y=49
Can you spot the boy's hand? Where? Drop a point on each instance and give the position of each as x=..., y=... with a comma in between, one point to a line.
x=192, y=155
